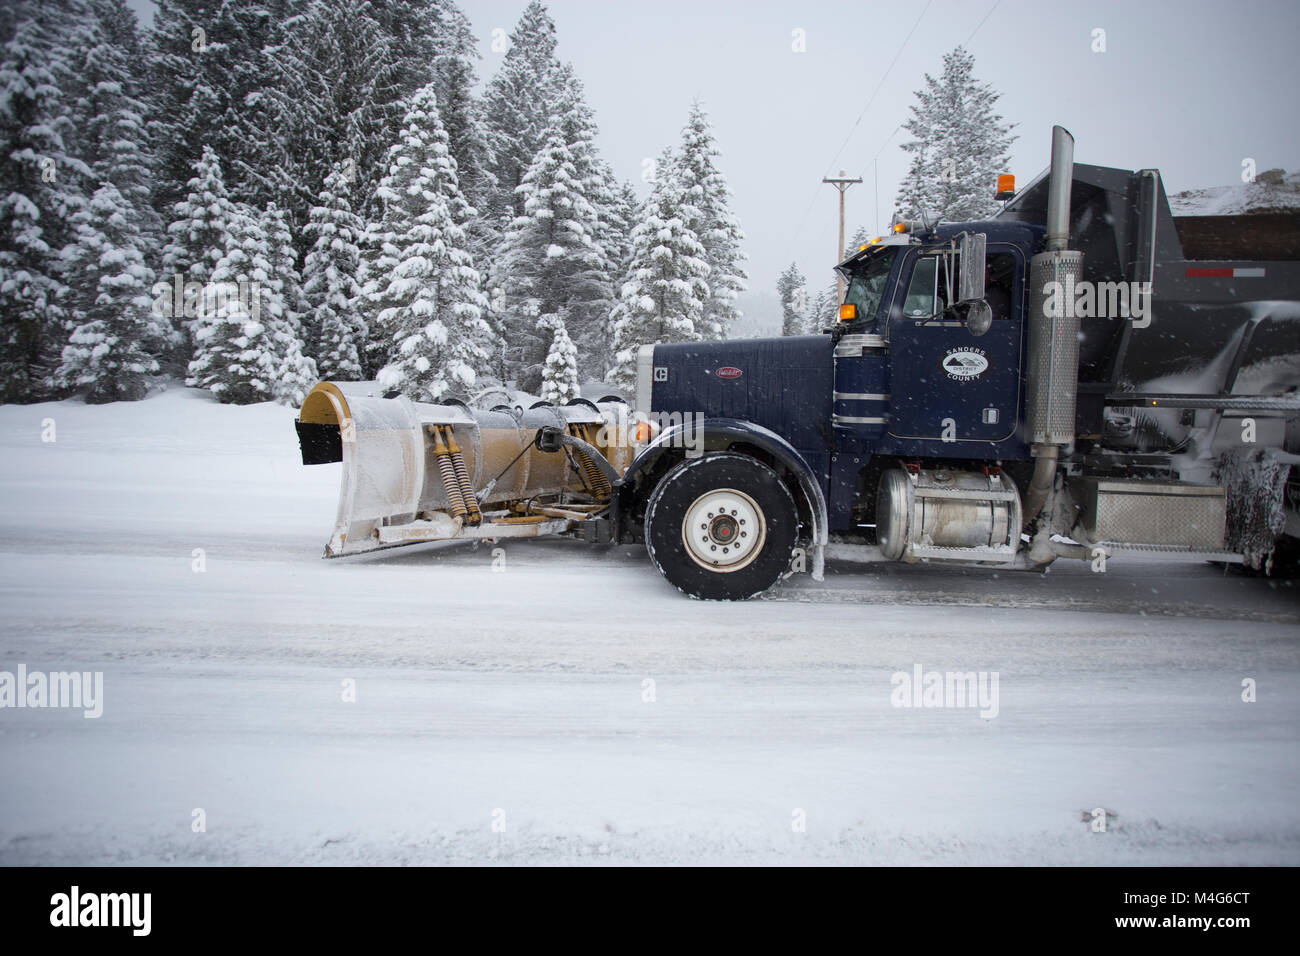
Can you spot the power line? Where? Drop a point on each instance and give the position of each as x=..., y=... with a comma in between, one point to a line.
x=879, y=86
x=981, y=23
x=813, y=202
x=890, y=137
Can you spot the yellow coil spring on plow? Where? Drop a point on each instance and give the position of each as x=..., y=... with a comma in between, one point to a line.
x=592, y=476
x=455, y=476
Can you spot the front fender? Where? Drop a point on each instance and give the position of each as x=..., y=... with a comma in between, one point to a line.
x=721, y=434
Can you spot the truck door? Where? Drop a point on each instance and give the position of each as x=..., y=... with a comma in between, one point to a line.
x=947, y=383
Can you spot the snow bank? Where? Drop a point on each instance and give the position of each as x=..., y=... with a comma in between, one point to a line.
x=1272, y=191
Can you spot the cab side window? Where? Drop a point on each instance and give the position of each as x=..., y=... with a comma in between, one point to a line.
x=919, y=303
x=927, y=290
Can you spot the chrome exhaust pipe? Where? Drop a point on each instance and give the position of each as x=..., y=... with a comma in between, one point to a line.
x=1058, y=190
x=1052, y=370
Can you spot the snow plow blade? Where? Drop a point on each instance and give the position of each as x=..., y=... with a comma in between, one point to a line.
x=415, y=472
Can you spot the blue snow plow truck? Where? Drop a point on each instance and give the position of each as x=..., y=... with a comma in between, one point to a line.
x=1082, y=376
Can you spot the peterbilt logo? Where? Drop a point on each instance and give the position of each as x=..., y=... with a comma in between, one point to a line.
x=962, y=365
x=728, y=371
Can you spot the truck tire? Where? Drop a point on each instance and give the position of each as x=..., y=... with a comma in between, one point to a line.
x=722, y=527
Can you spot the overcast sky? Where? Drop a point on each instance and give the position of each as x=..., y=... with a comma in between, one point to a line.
x=1192, y=88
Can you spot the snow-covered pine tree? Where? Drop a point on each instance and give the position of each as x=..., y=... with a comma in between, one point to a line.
x=663, y=295
x=235, y=352
x=111, y=108
x=338, y=76
x=286, y=279
x=623, y=216
x=40, y=192
x=560, y=371
x=960, y=145
x=554, y=266
x=706, y=208
x=197, y=230
x=422, y=288
x=108, y=356
x=619, y=218
x=416, y=31
x=823, y=310
x=114, y=138
x=196, y=242
x=792, y=289
x=333, y=98
x=454, y=80
x=517, y=107
x=176, y=90
x=209, y=66
x=819, y=310
x=618, y=214
x=859, y=239
x=596, y=285
x=333, y=329
x=283, y=308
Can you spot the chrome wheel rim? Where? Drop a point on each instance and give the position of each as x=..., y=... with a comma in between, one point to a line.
x=724, y=530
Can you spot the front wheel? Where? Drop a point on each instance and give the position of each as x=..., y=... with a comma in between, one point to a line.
x=722, y=527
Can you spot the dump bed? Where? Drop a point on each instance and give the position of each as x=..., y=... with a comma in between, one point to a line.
x=1225, y=290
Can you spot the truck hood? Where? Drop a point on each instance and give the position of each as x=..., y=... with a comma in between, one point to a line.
x=784, y=383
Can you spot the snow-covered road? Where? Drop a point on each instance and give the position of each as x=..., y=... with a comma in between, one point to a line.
x=570, y=706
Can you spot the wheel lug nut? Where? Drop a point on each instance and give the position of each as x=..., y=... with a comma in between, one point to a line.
x=744, y=534
x=713, y=547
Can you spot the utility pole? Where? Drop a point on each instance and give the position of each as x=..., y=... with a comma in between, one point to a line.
x=842, y=184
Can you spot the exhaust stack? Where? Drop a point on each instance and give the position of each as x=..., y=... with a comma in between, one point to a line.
x=1059, y=181
x=1052, y=366
x=1052, y=373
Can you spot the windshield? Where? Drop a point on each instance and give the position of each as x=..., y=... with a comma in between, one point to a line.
x=867, y=284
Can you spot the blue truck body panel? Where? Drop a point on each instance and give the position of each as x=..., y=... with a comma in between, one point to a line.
x=783, y=385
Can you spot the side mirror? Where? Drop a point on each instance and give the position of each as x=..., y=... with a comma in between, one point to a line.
x=979, y=317
x=970, y=281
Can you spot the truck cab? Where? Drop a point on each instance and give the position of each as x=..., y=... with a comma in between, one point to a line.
x=959, y=381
